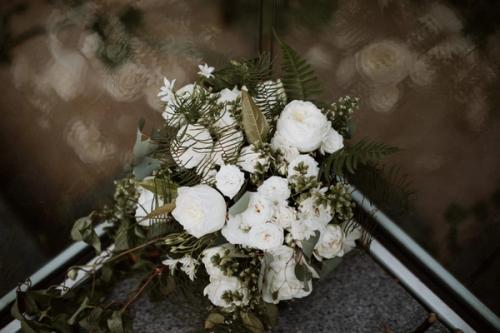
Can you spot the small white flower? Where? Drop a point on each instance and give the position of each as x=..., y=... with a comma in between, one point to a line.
x=301, y=125
x=166, y=92
x=200, y=209
x=216, y=289
x=249, y=158
x=229, y=180
x=189, y=265
x=332, y=142
x=266, y=236
x=259, y=210
x=171, y=263
x=275, y=189
x=278, y=280
x=236, y=230
x=206, y=71
x=306, y=160
x=146, y=203
x=194, y=145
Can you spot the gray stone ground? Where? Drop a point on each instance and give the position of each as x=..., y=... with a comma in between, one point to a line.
x=358, y=297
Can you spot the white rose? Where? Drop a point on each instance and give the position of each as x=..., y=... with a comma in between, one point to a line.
x=195, y=144
x=332, y=142
x=301, y=125
x=199, y=209
x=216, y=289
x=229, y=180
x=306, y=160
x=278, y=280
x=146, y=203
x=249, y=159
x=310, y=210
x=259, y=210
x=329, y=244
x=284, y=215
x=236, y=230
x=275, y=189
x=224, y=250
x=265, y=236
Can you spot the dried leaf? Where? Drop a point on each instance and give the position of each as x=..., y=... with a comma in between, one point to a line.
x=213, y=320
x=252, y=322
x=254, y=121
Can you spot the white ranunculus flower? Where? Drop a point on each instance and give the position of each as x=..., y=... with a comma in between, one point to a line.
x=275, y=189
x=303, y=229
x=216, y=289
x=301, y=125
x=199, y=209
x=332, y=142
x=195, y=145
x=229, y=180
x=224, y=250
x=278, y=280
x=329, y=244
x=259, y=210
x=265, y=236
x=249, y=158
x=289, y=152
x=306, y=160
x=284, y=215
x=310, y=210
x=145, y=205
x=236, y=230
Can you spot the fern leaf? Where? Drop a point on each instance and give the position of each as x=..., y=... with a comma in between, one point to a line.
x=350, y=158
x=298, y=76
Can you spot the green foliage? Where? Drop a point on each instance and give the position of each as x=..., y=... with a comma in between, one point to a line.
x=350, y=158
x=83, y=230
x=298, y=76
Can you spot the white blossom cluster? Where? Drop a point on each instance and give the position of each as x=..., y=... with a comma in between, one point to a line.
x=277, y=216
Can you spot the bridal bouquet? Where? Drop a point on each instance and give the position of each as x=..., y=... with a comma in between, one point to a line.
x=239, y=200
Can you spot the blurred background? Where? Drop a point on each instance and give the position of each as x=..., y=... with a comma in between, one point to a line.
x=78, y=75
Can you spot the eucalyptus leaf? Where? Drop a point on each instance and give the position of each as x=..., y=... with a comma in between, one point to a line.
x=162, y=210
x=144, y=165
x=329, y=266
x=309, y=244
x=254, y=122
x=302, y=272
x=213, y=320
x=241, y=205
x=271, y=313
x=115, y=323
x=252, y=322
x=85, y=305
x=84, y=231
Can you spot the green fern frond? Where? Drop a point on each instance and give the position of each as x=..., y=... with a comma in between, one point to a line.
x=349, y=158
x=246, y=73
x=298, y=76
x=270, y=98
